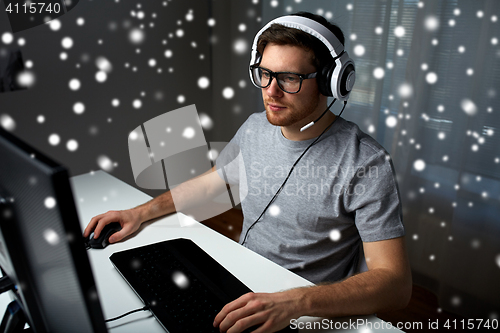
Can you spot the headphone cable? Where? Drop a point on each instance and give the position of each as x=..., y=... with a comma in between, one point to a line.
x=293, y=166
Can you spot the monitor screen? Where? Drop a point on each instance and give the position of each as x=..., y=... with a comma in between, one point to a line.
x=41, y=247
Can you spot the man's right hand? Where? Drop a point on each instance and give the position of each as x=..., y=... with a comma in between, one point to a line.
x=128, y=219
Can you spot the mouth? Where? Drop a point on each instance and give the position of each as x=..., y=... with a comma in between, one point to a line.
x=275, y=107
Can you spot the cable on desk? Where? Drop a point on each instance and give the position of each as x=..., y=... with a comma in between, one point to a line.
x=147, y=307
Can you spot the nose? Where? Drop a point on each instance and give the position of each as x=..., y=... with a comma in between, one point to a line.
x=273, y=90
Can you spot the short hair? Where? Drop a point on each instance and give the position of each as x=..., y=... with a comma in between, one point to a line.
x=280, y=35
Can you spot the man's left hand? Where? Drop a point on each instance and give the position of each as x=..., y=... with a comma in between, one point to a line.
x=270, y=312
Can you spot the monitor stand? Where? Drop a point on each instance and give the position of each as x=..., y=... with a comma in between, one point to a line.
x=14, y=320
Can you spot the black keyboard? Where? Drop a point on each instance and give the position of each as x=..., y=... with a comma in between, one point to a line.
x=184, y=286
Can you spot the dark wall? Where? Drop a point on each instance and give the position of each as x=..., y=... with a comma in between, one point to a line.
x=198, y=49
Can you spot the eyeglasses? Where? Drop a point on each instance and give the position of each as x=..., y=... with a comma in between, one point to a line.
x=287, y=81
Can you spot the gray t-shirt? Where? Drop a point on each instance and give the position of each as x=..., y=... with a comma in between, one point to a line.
x=342, y=192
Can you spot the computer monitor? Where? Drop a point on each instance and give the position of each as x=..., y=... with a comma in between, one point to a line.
x=41, y=246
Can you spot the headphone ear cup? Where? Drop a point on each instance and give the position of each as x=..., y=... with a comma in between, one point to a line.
x=342, y=77
x=256, y=57
x=324, y=79
x=345, y=80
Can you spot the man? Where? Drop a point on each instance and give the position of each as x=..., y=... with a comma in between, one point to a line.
x=312, y=218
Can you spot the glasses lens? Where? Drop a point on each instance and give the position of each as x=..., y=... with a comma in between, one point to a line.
x=261, y=77
x=289, y=82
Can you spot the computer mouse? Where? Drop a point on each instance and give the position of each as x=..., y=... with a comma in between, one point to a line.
x=103, y=240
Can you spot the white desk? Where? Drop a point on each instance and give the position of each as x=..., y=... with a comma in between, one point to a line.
x=99, y=192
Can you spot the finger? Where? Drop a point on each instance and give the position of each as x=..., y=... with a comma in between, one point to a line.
x=233, y=317
x=118, y=236
x=257, y=319
x=127, y=229
x=93, y=222
x=229, y=307
x=106, y=219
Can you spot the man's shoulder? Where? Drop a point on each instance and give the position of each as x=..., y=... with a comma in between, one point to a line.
x=358, y=141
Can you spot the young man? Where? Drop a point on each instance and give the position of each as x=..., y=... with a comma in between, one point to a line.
x=342, y=193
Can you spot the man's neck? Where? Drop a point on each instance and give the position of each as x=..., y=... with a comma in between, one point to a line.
x=293, y=132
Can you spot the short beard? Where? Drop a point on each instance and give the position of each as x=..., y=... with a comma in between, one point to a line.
x=287, y=121
x=290, y=119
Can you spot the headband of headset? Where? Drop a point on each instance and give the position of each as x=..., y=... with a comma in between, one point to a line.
x=337, y=78
x=305, y=24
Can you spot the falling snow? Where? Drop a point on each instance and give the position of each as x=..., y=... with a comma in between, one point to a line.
x=180, y=279
x=103, y=64
x=379, y=73
x=105, y=163
x=335, y=235
x=228, y=93
x=206, y=122
x=274, y=210
x=55, y=25
x=7, y=122
x=72, y=145
x=359, y=50
x=391, y=121
x=137, y=36
x=49, y=202
x=212, y=154
x=101, y=76
x=405, y=90
x=74, y=84
x=240, y=46
x=54, y=139
x=67, y=42
x=431, y=23
x=419, y=165
x=51, y=237
x=7, y=38
x=137, y=103
x=79, y=108
x=203, y=82
x=189, y=133
x=431, y=78
x=399, y=31
x=468, y=106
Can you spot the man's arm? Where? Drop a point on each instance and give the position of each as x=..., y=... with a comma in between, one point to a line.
x=187, y=194
x=385, y=286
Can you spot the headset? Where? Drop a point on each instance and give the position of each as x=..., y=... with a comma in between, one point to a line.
x=338, y=76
